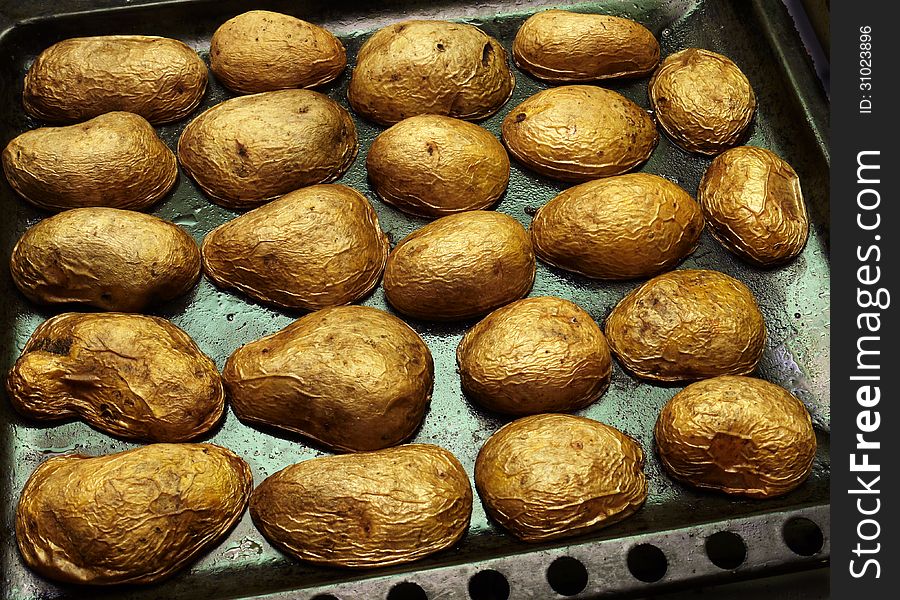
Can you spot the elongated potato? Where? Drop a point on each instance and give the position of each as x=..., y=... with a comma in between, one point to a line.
x=363, y=510
x=138, y=516
x=113, y=160
x=131, y=376
x=161, y=79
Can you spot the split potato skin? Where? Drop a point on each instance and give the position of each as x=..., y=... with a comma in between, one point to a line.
x=131, y=376
x=262, y=51
x=535, y=355
x=737, y=435
x=134, y=517
x=620, y=227
x=160, y=79
x=384, y=508
x=432, y=166
x=552, y=476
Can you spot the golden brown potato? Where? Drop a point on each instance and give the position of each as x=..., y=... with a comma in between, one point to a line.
x=132, y=376
x=737, y=435
x=317, y=247
x=535, y=355
x=113, y=160
x=546, y=477
x=372, y=509
x=261, y=51
x=246, y=151
x=160, y=79
x=702, y=100
x=579, y=132
x=430, y=67
x=687, y=324
x=112, y=259
x=622, y=227
x=431, y=166
x=561, y=46
x=460, y=266
x=137, y=516
x=754, y=205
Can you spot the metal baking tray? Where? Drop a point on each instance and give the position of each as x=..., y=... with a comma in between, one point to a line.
x=787, y=533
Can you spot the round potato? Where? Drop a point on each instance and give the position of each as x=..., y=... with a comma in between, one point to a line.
x=546, y=477
x=579, y=132
x=113, y=160
x=687, y=324
x=108, y=258
x=317, y=247
x=737, y=435
x=535, y=355
x=261, y=51
x=138, y=516
x=430, y=67
x=753, y=203
x=158, y=78
x=132, y=376
x=460, y=266
x=431, y=166
x=384, y=508
x=246, y=151
x=562, y=47
x=622, y=227
x=702, y=100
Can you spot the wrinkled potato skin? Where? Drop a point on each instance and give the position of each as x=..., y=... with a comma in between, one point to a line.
x=621, y=227
x=551, y=476
x=736, y=435
x=158, y=78
x=702, y=100
x=563, y=47
x=113, y=160
x=535, y=355
x=579, y=132
x=460, y=266
x=430, y=67
x=249, y=150
x=353, y=378
x=112, y=259
x=753, y=203
x=317, y=247
x=261, y=51
x=432, y=166
x=364, y=510
x=134, y=517
x=686, y=325
x=132, y=376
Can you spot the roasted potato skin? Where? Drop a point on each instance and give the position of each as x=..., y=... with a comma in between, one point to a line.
x=620, y=227
x=578, y=133
x=133, y=517
x=552, y=476
x=249, y=150
x=686, y=325
x=430, y=67
x=737, y=435
x=384, y=508
x=132, y=376
x=316, y=247
x=111, y=259
x=754, y=205
x=432, y=166
x=160, y=79
x=460, y=266
x=262, y=51
x=535, y=355
x=114, y=160
x=565, y=47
